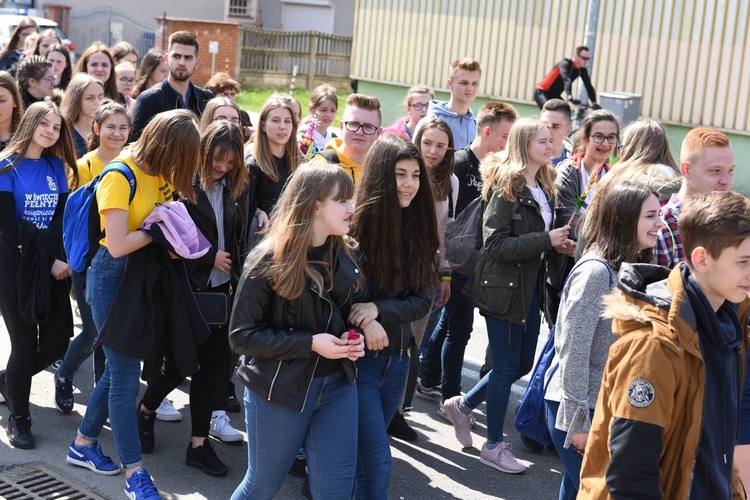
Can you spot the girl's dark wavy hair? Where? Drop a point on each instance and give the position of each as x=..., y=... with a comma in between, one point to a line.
x=397, y=244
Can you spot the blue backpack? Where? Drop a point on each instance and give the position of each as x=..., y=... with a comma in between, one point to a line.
x=81, y=222
x=530, y=419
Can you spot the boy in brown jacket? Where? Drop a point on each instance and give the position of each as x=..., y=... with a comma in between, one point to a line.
x=665, y=424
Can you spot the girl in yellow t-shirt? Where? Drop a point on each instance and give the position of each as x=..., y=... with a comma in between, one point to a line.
x=163, y=161
x=109, y=134
x=110, y=130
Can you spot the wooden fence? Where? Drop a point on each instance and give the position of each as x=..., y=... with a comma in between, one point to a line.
x=268, y=58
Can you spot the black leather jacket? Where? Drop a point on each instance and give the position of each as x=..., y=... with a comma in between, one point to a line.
x=236, y=225
x=275, y=334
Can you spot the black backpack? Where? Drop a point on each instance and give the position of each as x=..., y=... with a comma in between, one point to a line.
x=463, y=238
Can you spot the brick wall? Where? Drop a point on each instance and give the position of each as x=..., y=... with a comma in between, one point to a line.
x=207, y=31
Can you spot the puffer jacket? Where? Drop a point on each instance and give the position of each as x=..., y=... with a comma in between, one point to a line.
x=275, y=334
x=654, y=375
x=514, y=240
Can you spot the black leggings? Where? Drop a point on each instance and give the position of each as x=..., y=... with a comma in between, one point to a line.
x=206, y=385
x=540, y=97
x=32, y=348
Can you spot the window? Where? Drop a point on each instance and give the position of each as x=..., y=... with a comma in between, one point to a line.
x=240, y=8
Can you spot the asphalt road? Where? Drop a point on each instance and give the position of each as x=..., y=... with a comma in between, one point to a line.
x=434, y=467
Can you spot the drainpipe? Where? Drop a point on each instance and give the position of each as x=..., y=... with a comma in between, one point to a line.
x=592, y=23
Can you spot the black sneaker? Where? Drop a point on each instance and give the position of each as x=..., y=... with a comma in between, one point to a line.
x=204, y=457
x=298, y=468
x=146, y=430
x=64, y=394
x=400, y=429
x=19, y=432
x=233, y=404
x=3, y=391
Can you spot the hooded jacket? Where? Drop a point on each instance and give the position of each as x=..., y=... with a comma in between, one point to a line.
x=647, y=424
x=337, y=146
x=464, y=127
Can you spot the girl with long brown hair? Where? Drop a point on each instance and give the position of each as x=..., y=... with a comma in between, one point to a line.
x=33, y=192
x=290, y=323
x=396, y=227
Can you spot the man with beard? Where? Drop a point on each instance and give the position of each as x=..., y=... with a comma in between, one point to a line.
x=176, y=91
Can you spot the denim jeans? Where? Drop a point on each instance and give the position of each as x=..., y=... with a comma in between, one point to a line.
x=571, y=459
x=116, y=393
x=327, y=426
x=445, y=358
x=380, y=381
x=513, y=350
x=80, y=348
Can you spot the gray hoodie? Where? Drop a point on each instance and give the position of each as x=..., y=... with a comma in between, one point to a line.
x=464, y=127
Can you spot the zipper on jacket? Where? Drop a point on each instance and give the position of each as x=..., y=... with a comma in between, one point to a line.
x=273, y=381
x=315, y=367
x=401, y=345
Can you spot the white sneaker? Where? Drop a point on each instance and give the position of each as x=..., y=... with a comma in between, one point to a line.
x=2, y=399
x=501, y=458
x=222, y=429
x=167, y=412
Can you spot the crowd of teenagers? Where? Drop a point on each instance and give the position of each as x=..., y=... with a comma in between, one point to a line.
x=310, y=261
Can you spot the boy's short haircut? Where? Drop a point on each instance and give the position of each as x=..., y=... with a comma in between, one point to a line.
x=466, y=64
x=184, y=38
x=558, y=106
x=493, y=112
x=699, y=139
x=715, y=220
x=363, y=101
x=581, y=48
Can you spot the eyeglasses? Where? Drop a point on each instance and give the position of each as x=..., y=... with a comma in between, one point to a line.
x=585, y=58
x=50, y=79
x=419, y=106
x=127, y=81
x=367, y=128
x=223, y=118
x=599, y=138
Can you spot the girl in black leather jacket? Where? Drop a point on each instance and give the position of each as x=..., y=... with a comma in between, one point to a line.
x=396, y=227
x=289, y=323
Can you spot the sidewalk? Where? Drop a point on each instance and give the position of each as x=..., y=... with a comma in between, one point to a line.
x=434, y=467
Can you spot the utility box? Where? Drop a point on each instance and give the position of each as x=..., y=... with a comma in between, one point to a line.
x=626, y=106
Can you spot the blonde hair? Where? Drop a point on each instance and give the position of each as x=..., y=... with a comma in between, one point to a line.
x=291, y=231
x=505, y=170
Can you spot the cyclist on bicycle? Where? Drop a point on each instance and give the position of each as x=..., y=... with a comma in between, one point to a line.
x=561, y=78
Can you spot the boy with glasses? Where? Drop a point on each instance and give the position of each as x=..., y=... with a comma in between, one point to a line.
x=360, y=128
x=561, y=78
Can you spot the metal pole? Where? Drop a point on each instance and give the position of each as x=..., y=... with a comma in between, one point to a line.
x=592, y=23
x=109, y=25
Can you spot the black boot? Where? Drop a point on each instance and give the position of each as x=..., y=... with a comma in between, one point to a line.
x=400, y=429
x=19, y=432
x=146, y=429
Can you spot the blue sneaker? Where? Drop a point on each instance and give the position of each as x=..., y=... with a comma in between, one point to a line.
x=140, y=487
x=92, y=458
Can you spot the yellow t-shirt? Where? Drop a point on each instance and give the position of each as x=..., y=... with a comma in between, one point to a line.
x=89, y=166
x=114, y=191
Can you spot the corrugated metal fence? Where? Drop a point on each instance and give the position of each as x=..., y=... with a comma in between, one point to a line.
x=690, y=59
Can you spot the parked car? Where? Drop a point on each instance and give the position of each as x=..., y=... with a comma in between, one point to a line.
x=8, y=23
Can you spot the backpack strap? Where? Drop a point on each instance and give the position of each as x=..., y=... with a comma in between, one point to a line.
x=118, y=166
x=330, y=156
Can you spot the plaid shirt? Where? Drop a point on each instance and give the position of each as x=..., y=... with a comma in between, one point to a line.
x=668, y=250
